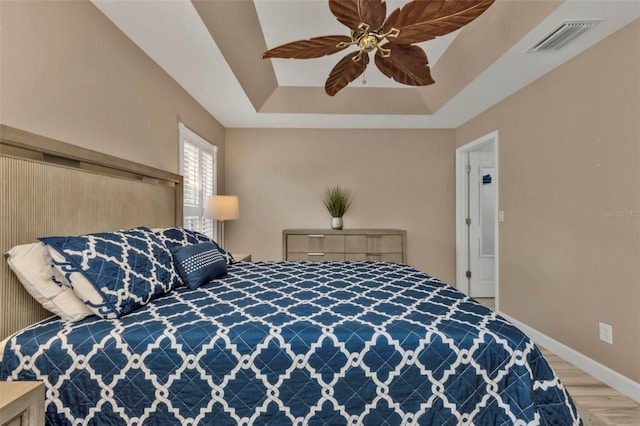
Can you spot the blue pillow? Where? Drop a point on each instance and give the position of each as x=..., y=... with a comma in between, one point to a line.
x=180, y=237
x=114, y=273
x=198, y=264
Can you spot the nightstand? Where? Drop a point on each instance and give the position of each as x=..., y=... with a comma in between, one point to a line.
x=21, y=403
x=241, y=257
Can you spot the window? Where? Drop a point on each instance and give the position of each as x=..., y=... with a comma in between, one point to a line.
x=198, y=168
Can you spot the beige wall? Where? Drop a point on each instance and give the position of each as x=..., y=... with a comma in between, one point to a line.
x=68, y=73
x=569, y=156
x=399, y=179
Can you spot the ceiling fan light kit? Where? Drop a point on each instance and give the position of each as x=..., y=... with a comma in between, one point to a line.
x=368, y=40
x=398, y=58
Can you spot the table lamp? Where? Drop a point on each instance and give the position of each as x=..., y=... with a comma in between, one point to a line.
x=221, y=208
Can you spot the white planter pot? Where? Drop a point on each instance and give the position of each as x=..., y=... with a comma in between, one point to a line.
x=336, y=223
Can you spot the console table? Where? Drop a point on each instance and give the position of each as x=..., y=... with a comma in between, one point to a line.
x=385, y=245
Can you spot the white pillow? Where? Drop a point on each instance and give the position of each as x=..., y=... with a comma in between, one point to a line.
x=32, y=264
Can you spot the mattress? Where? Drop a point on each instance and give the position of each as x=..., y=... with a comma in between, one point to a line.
x=295, y=343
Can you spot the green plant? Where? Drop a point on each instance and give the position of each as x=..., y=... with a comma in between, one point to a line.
x=337, y=200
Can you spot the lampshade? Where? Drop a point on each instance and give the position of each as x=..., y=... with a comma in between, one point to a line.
x=222, y=207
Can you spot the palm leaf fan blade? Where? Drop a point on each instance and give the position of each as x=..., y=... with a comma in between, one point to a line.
x=345, y=71
x=421, y=20
x=352, y=13
x=406, y=64
x=315, y=47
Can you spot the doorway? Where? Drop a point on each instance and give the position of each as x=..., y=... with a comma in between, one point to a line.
x=477, y=218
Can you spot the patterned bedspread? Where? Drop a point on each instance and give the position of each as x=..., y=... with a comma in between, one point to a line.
x=281, y=343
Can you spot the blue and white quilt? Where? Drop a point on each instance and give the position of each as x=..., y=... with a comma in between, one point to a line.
x=281, y=343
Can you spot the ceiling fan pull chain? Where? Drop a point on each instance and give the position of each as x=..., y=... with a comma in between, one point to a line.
x=364, y=77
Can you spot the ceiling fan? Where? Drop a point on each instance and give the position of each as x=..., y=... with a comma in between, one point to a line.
x=398, y=58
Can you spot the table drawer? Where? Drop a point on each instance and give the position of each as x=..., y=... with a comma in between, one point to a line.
x=315, y=243
x=374, y=257
x=315, y=256
x=373, y=243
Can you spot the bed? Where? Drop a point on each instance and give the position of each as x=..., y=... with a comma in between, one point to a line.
x=280, y=343
x=294, y=343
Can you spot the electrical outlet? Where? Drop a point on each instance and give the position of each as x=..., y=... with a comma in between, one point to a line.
x=606, y=333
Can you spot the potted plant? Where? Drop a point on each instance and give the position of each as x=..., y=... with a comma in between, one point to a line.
x=337, y=200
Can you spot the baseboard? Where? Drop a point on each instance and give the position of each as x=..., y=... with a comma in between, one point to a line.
x=601, y=372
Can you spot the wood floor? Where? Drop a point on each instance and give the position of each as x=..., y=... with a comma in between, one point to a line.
x=598, y=404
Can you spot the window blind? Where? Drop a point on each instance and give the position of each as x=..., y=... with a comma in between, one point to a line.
x=198, y=168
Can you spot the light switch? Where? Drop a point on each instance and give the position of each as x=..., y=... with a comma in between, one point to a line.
x=501, y=216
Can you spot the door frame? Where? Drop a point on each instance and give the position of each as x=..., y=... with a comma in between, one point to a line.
x=462, y=249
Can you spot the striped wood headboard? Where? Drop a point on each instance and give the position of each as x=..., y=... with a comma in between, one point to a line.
x=48, y=187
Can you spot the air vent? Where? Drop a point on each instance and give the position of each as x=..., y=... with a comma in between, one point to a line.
x=563, y=34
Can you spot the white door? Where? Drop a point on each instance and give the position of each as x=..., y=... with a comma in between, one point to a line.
x=481, y=223
x=477, y=251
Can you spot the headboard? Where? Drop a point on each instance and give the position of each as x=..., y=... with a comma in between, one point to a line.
x=48, y=187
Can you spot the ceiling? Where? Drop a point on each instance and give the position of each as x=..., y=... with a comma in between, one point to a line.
x=213, y=48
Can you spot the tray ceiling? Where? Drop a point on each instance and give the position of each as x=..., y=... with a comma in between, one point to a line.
x=213, y=48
